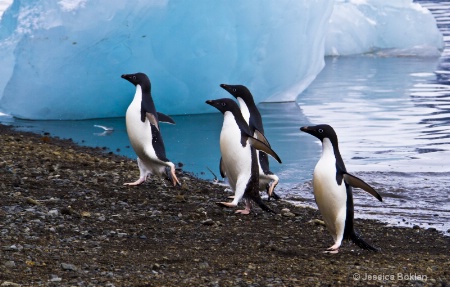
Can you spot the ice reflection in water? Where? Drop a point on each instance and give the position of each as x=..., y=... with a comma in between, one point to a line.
x=392, y=117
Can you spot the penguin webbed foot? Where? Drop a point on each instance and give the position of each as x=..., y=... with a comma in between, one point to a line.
x=137, y=182
x=176, y=183
x=171, y=176
x=274, y=196
x=248, y=208
x=243, y=211
x=331, y=251
x=271, y=191
x=226, y=204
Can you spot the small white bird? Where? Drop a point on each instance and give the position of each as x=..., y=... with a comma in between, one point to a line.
x=106, y=130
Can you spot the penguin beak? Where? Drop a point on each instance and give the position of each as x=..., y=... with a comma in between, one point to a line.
x=304, y=129
x=225, y=87
x=212, y=103
x=308, y=130
x=128, y=78
x=218, y=104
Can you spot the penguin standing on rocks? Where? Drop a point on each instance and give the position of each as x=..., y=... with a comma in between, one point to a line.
x=267, y=179
x=332, y=186
x=142, y=122
x=239, y=159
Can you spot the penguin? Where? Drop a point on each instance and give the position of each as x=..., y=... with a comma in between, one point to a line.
x=239, y=159
x=332, y=186
x=142, y=122
x=267, y=179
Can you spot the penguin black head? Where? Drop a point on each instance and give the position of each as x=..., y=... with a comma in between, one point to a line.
x=140, y=79
x=224, y=105
x=321, y=132
x=238, y=91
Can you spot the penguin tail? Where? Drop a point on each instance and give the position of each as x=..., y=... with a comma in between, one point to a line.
x=356, y=238
x=261, y=204
x=274, y=196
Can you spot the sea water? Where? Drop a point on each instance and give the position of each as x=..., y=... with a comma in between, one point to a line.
x=391, y=115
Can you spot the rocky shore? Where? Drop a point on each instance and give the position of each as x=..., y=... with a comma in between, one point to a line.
x=67, y=220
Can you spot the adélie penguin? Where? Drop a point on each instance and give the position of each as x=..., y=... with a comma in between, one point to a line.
x=267, y=179
x=239, y=159
x=142, y=122
x=332, y=186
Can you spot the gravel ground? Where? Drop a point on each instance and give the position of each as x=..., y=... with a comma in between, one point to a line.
x=67, y=220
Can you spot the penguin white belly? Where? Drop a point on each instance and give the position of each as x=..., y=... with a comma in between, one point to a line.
x=236, y=159
x=330, y=197
x=244, y=109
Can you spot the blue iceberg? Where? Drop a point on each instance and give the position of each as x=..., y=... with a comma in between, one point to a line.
x=63, y=59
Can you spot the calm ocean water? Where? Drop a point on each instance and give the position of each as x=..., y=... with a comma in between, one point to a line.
x=391, y=115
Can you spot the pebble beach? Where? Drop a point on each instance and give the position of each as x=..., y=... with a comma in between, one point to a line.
x=67, y=220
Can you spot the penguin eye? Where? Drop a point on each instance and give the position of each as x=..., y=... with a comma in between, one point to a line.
x=134, y=77
x=223, y=104
x=234, y=90
x=320, y=131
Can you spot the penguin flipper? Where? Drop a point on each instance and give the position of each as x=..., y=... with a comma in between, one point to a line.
x=259, y=145
x=153, y=120
x=165, y=118
x=359, y=183
x=260, y=136
x=355, y=238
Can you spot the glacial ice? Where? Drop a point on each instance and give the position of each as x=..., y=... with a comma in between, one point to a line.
x=63, y=59
x=394, y=28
